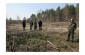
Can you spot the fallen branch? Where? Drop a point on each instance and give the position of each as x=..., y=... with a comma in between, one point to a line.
x=53, y=45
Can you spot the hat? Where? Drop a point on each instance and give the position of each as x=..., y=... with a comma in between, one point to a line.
x=71, y=19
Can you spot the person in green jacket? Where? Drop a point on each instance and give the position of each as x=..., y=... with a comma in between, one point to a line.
x=72, y=27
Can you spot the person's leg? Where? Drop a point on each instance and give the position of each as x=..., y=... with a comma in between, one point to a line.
x=68, y=36
x=72, y=36
x=23, y=28
x=30, y=27
x=34, y=27
x=40, y=28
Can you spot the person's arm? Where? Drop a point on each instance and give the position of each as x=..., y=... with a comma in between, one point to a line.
x=69, y=27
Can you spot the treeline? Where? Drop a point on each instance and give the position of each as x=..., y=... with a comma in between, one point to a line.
x=64, y=14
x=51, y=15
x=11, y=21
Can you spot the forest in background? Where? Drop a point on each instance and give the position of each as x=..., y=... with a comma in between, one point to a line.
x=51, y=15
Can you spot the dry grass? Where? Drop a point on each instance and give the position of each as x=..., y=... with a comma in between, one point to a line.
x=28, y=40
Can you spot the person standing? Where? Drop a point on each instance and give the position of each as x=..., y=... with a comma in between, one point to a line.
x=40, y=25
x=24, y=23
x=31, y=24
x=71, y=30
x=35, y=25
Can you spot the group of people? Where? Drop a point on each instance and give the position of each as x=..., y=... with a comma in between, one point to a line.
x=34, y=24
x=72, y=27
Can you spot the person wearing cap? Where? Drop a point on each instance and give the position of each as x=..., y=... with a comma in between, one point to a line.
x=72, y=27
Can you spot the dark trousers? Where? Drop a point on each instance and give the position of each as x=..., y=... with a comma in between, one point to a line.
x=30, y=27
x=35, y=27
x=40, y=28
x=70, y=34
x=23, y=28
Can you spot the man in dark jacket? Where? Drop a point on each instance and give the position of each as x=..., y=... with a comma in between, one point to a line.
x=71, y=29
x=40, y=25
x=24, y=24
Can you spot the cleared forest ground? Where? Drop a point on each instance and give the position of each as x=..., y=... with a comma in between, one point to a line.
x=52, y=38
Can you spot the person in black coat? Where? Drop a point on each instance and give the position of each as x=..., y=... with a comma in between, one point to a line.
x=24, y=23
x=40, y=25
